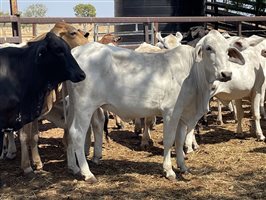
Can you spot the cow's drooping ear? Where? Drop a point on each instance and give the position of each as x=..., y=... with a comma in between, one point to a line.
x=116, y=39
x=42, y=49
x=179, y=36
x=198, y=53
x=238, y=45
x=235, y=56
x=159, y=37
x=263, y=53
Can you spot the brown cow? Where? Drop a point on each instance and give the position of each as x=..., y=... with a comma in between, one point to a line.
x=110, y=38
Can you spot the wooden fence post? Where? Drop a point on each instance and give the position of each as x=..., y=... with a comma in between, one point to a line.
x=16, y=28
x=239, y=29
x=146, y=32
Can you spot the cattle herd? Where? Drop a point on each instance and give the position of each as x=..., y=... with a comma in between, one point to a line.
x=62, y=77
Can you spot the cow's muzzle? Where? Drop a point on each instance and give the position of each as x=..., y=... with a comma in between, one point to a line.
x=225, y=76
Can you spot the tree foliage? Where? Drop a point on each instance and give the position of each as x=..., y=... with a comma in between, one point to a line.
x=35, y=10
x=3, y=13
x=85, y=10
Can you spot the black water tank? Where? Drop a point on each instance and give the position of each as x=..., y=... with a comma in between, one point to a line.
x=160, y=8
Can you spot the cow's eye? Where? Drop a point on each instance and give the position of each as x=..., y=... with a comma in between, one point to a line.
x=208, y=48
x=73, y=33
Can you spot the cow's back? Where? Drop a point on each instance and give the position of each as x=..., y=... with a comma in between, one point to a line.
x=130, y=80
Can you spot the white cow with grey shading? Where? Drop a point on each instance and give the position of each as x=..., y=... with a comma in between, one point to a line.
x=175, y=84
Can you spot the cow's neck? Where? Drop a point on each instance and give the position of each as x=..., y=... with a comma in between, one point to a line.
x=33, y=98
x=198, y=95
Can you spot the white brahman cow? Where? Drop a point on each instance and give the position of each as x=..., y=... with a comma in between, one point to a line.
x=164, y=44
x=241, y=43
x=175, y=84
x=170, y=41
x=247, y=81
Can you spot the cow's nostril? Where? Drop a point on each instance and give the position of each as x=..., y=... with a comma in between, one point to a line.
x=226, y=76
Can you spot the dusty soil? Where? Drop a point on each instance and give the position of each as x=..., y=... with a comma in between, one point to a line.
x=225, y=167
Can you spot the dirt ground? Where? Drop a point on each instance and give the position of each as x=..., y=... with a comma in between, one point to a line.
x=225, y=167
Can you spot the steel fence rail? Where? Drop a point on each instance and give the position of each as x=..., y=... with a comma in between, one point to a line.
x=17, y=21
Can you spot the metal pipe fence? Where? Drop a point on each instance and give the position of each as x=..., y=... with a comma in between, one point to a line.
x=146, y=21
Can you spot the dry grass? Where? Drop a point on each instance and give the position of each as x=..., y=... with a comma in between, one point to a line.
x=225, y=167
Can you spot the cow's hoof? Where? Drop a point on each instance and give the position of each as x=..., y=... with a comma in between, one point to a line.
x=91, y=180
x=195, y=147
x=261, y=138
x=11, y=156
x=188, y=150
x=240, y=136
x=38, y=167
x=74, y=173
x=145, y=145
x=96, y=160
x=2, y=184
x=120, y=126
x=31, y=175
x=170, y=175
x=137, y=132
x=220, y=123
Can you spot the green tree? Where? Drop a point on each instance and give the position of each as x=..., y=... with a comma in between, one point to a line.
x=3, y=13
x=85, y=10
x=35, y=10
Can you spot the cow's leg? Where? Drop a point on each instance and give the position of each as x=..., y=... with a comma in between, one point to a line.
x=256, y=115
x=87, y=145
x=232, y=107
x=118, y=122
x=34, y=138
x=137, y=128
x=240, y=115
x=11, y=150
x=97, y=123
x=105, y=127
x=262, y=99
x=219, y=116
x=189, y=141
x=76, y=140
x=180, y=137
x=2, y=134
x=146, y=138
x=194, y=141
x=25, y=160
x=169, y=132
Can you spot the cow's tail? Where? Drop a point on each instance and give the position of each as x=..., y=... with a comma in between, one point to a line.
x=1, y=141
x=105, y=128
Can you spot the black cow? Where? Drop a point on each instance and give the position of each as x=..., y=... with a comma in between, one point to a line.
x=27, y=74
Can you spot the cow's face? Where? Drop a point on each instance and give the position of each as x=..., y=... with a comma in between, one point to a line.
x=214, y=53
x=56, y=61
x=110, y=38
x=170, y=41
x=72, y=36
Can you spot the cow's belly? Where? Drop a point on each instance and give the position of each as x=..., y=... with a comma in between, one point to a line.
x=239, y=94
x=131, y=112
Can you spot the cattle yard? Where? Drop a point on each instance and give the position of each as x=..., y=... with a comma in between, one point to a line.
x=226, y=166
